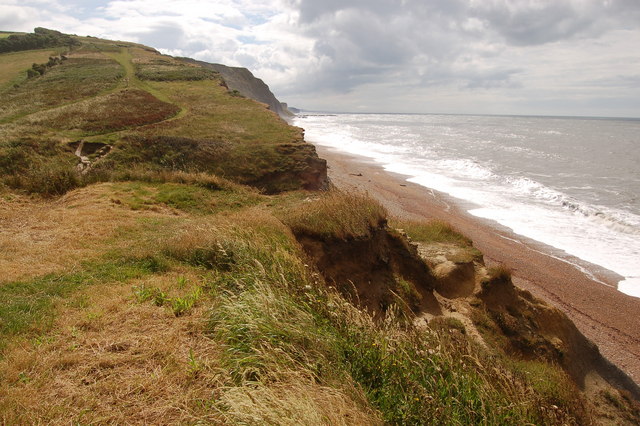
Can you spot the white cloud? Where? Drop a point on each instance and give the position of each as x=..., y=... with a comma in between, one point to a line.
x=528, y=56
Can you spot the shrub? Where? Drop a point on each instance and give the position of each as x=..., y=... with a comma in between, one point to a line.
x=499, y=273
x=50, y=179
x=40, y=38
x=170, y=152
x=170, y=72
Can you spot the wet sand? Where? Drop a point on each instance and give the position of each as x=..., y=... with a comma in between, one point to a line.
x=585, y=292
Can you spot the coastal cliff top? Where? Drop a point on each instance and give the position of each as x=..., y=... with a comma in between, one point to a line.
x=172, y=252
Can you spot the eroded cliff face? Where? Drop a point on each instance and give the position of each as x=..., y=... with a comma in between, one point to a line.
x=375, y=271
x=444, y=283
x=242, y=80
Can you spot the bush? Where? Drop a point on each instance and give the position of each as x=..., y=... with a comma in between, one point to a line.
x=51, y=179
x=172, y=72
x=40, y=38
x=170, y=152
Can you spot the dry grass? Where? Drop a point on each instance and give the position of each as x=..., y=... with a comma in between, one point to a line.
x=113, y=360
x=432, y=231
x=294, y=402
x=337, y=215
x=41, y=237
x=12, y=64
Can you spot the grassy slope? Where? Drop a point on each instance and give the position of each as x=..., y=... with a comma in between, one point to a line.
x=13, y=63
x=166, y=296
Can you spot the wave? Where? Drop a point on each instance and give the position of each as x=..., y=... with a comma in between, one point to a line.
x=617, y=220
x=443, y=158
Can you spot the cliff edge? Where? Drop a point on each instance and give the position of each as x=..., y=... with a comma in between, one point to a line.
x=242, y=80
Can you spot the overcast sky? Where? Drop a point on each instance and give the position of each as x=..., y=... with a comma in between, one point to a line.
x=544, y=57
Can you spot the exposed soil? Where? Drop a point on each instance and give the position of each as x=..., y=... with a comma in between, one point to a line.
x=604, y=315
x=374, y=270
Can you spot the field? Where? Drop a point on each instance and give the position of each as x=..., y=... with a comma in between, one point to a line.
x=12, y=64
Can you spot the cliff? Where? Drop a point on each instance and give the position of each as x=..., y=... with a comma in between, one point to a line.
x=243, y=81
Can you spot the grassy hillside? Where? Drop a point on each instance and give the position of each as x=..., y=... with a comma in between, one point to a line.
x=166, y=258
x=152, y=113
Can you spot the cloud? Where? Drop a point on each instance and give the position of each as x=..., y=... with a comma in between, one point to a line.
x=379, y=51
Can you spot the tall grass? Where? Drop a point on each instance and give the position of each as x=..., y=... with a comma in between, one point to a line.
x=277, y=323
x=337, y=215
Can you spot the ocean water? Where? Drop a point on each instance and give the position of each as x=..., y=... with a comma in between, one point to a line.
x=571, y=183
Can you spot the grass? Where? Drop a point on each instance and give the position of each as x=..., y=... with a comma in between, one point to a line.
x=271, y=326
x=184, y=126
x=13, y=65
x=28, y=306
x=336, y=215
x=174, y=72
x=499, y=273
x=71, y=81
x=113, y=112
x=188, y=198
x=173, y=283
x=289, y=349
x=179, y=304
x=108, y=357
x=434, y=231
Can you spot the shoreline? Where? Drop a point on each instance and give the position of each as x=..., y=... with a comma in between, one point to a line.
x=585, y=292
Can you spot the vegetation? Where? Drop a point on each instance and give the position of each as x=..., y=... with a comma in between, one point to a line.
x=39, y=39
x=158, y=267
x=432, y=231
x=173, y=72
x=337, y=216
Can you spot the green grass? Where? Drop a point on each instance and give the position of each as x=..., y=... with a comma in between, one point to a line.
x=179, y=305
x=434, y=231
x=29, y=306
x=71, y=81
x=13, y=65
x=273, y=320
x=189, y=198
x=173, y=72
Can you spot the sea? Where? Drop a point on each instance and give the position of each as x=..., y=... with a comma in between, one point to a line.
x=571, y=183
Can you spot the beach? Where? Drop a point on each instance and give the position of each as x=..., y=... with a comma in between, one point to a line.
x=586, y=293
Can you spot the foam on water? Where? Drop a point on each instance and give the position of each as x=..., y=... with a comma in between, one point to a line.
x=462, y=159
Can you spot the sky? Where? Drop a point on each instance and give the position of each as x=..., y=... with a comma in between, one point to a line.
x=527, y=57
